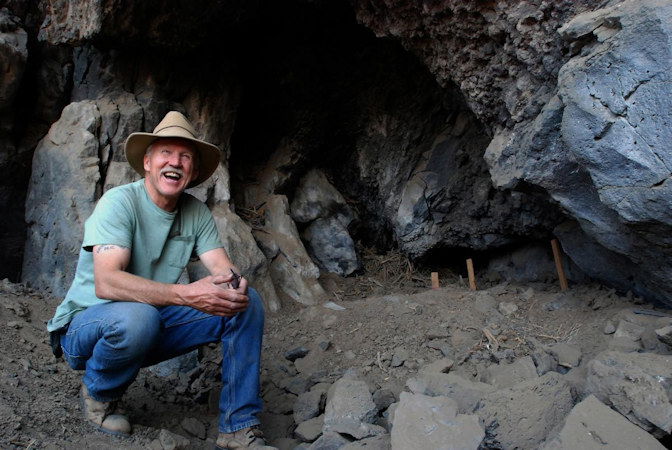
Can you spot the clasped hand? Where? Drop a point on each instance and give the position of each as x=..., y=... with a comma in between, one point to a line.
x=213, y=295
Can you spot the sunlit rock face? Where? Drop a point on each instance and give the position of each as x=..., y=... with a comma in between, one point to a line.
x=445, y=128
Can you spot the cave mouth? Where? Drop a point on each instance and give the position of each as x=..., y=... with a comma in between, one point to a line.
x=317, y=81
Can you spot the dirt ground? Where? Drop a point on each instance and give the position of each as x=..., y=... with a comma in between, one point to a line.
x=391, y=325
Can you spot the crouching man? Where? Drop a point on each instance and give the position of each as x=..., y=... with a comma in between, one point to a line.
x=124, y=311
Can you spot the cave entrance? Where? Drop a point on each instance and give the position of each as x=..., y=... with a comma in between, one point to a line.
x=359, y=108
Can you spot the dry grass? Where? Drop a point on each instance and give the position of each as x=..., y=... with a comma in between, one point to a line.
x=392, y=272
x=254, y=216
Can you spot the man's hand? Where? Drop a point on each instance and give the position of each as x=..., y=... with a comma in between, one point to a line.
x=213, y=295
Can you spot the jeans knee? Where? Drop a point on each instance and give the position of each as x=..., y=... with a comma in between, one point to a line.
x=137, y=330
x=256, y=305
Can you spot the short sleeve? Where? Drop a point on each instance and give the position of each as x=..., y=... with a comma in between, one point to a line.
x=111, y=223
x=207, y=237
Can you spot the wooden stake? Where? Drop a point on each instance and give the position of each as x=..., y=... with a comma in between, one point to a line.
x=435, y=280
x=470, y=272
x=557, y=256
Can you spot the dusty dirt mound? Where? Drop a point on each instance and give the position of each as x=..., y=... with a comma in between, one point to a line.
x=387, y=338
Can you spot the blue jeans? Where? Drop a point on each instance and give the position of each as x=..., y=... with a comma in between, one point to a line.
x=112, y=341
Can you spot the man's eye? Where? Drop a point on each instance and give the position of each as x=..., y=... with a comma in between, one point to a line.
x=165, y=152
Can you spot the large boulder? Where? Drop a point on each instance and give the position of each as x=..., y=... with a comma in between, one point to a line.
x=243, y=251
x=421, y=421
x=318, y=203
x=598, y=146
x=638, y=385
x=331, y=246
x=316, y=198
x=293, y=272
x=61, y=196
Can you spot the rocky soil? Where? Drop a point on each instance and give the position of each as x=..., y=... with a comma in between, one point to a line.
x=508, y=366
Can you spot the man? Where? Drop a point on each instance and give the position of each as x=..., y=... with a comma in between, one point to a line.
x=124, y=311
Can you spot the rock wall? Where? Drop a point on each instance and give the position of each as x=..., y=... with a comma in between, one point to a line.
x=504, y=55
x=13, y=61
x=61, y=196
x=455, y=126
x=32, y=86
x=600, y=146
x=577, y=104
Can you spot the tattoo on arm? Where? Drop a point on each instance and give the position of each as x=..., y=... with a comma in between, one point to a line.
x=104, y=248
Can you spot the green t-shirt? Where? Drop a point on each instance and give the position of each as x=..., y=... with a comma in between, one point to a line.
x=161, y=242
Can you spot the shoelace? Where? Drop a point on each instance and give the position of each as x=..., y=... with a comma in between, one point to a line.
x=252, y=434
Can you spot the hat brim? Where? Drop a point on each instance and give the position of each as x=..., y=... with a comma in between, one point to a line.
x=209, y=155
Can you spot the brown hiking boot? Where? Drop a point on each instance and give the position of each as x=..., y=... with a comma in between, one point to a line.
x=251, y=437
x=107, y=416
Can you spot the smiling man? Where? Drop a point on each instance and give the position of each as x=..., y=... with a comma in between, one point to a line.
x=124, y=309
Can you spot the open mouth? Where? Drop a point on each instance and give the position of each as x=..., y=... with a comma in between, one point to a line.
x=172, y=175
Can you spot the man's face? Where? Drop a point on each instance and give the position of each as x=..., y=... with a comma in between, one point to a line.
x=170, y=165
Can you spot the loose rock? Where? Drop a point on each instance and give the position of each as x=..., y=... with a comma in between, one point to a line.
x=591, y=425
x=172, y=441
x=383, y=398
x=609, y=327
x=329, y=441
x=427, y=422
x=566, y=355
x=466, y=393
x=381, y=442
x=440, y=366
x=638, y=385
x=507, y=308
x=506, y=375
x=296, y=353
x=628, y=330
x=194, y=427
x=665, y=335
x=523, y=415
x=307, y=405
x=350, y=409
x=311, y=429
x=399, y=356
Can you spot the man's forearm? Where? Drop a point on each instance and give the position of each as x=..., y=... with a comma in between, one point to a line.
x=124, y=286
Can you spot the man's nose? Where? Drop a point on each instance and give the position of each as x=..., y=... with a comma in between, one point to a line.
x=174, y=160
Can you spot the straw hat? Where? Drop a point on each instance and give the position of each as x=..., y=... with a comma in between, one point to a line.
x=174, y=125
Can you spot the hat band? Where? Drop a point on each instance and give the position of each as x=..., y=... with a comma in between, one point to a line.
x=175, y=126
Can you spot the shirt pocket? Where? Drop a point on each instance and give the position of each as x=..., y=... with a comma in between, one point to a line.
x=179, y=249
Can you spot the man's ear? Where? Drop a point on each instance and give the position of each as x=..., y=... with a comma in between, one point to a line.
x=145, y=162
